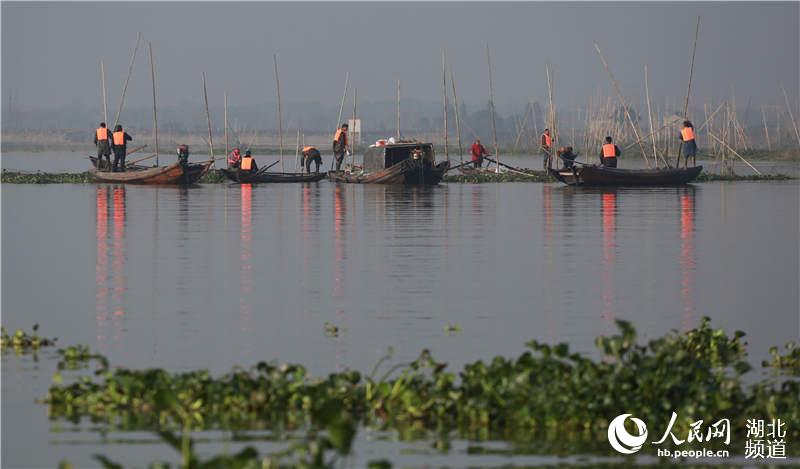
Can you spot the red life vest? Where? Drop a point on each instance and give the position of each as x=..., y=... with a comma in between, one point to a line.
x=102, y=134
x=119, y=138
x=687, y=133
x=609, y=150
x=234, y=157
x=247, y=163
x=548, y=140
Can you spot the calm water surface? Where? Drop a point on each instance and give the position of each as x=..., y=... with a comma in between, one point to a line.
x=220, y=275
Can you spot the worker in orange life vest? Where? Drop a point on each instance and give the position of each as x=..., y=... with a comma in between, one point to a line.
x=340, y=145
x=119, y=143
x=546, y=145
x=689, y=144
x=248, y=163
x=102, y=139
x=311, y=154
x=609, y=154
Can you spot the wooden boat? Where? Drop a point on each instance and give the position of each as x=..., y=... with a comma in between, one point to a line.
x=395, y=164
x=593, y=175
x=172, y=174
x=246, y=177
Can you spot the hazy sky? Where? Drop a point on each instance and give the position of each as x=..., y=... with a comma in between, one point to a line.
x=51, y=52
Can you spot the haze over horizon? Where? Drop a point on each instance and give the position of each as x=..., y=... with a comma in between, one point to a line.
x=51, y=52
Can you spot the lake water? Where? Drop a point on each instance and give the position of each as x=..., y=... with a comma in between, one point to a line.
x=220, y=275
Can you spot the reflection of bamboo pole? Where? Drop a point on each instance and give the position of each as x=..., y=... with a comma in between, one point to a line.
x=280, y=119
x=125, y=87
x=458, y=119
x=734, y=152
x=766, y=130
x=624, y=105
x=155, y=114
x=791, y=114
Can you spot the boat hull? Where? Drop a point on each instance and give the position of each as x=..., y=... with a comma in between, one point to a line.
x=411, y=172
x=602, y=176
x=246, y=177
x=174, y=174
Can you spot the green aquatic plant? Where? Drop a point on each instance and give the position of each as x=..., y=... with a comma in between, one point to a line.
x=485, y=177
x=21, y=341
x=19, y=177
x=713, y=177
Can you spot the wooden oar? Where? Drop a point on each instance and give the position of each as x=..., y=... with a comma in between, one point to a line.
x=459, y=165
x=263, y=170
x=140, y=159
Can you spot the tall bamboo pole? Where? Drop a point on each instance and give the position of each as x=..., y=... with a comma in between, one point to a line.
x=551, y=117
x=491, y=105
x=791, y=114
x=280, y=118
x=155, y=113
x=208, y=118
x=103, y=82
x=444, y=105
x=227, y=148
x=297, y=151
x=397, y=130
x=624, y=105
x=458, y=119
x=341, y=108
x=650, y=116
x=353, y=130
x=125, y=87
x=766, y=130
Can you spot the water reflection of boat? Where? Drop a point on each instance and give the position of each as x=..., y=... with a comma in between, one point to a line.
x=687, y=202
x=110, y=312
x=591, y=175
x=247, y=177
x=609, y=210
x=396, y=164
x=173, y=174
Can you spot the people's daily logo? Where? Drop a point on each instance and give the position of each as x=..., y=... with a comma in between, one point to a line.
x=623, y=441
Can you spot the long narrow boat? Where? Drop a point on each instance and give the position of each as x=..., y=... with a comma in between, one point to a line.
x=172, y=174
x=246, y=177
x=396, y=164
x=592, y=175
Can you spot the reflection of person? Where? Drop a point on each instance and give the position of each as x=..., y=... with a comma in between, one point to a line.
x=311, y=154
x=340, y=145
x=478, y=152
x=609, y=154
x=120, y=140
x=249, y=163
x=689, y=144
x=102, y=138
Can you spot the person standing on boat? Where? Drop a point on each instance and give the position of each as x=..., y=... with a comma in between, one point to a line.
x=119, y=141
x=546, y=144
x=568, y=156
x=340, y=145
x=478, y=152
x=609, y=154
x=183, y=155
x=249, y=163
x=102, y=139
x=235, y=158
x=311, y=154
x=689, y=144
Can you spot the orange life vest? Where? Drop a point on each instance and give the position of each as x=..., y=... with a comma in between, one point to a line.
x=119, y=138
x=687, y=133
x=339, y=133
x=307, y=149
x=102, y=134
x=247, y=163
x=609, y=151
x=548, y=140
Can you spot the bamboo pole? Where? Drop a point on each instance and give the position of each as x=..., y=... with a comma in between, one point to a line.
x=225, y=96
x=734, y=152
x=766, y=130
x=491, y=105
x=791, y=114
x=280, y=118
x=353, y=131
x=688, y=91
x=458, y=118
x=521, y=128
x=155, y=113
x=208, y=118
x=624, y=105
x=297, y=150
x=551, y=117
x=341, y=108
x=444, y=105
x=650, y=116
x=103, y=82
x=397, y=130
x=125, y=87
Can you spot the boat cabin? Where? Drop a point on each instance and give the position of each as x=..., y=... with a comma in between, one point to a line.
x=377, y=158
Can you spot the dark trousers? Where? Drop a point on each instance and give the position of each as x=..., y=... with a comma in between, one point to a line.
x=545, y=158
x=339, y=157
x=477, y=163
x=610, y=162
x=309, y=159
x=103, y=149
x=119, y=159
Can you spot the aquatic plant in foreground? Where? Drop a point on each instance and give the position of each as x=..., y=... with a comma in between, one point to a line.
x=21, y=341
